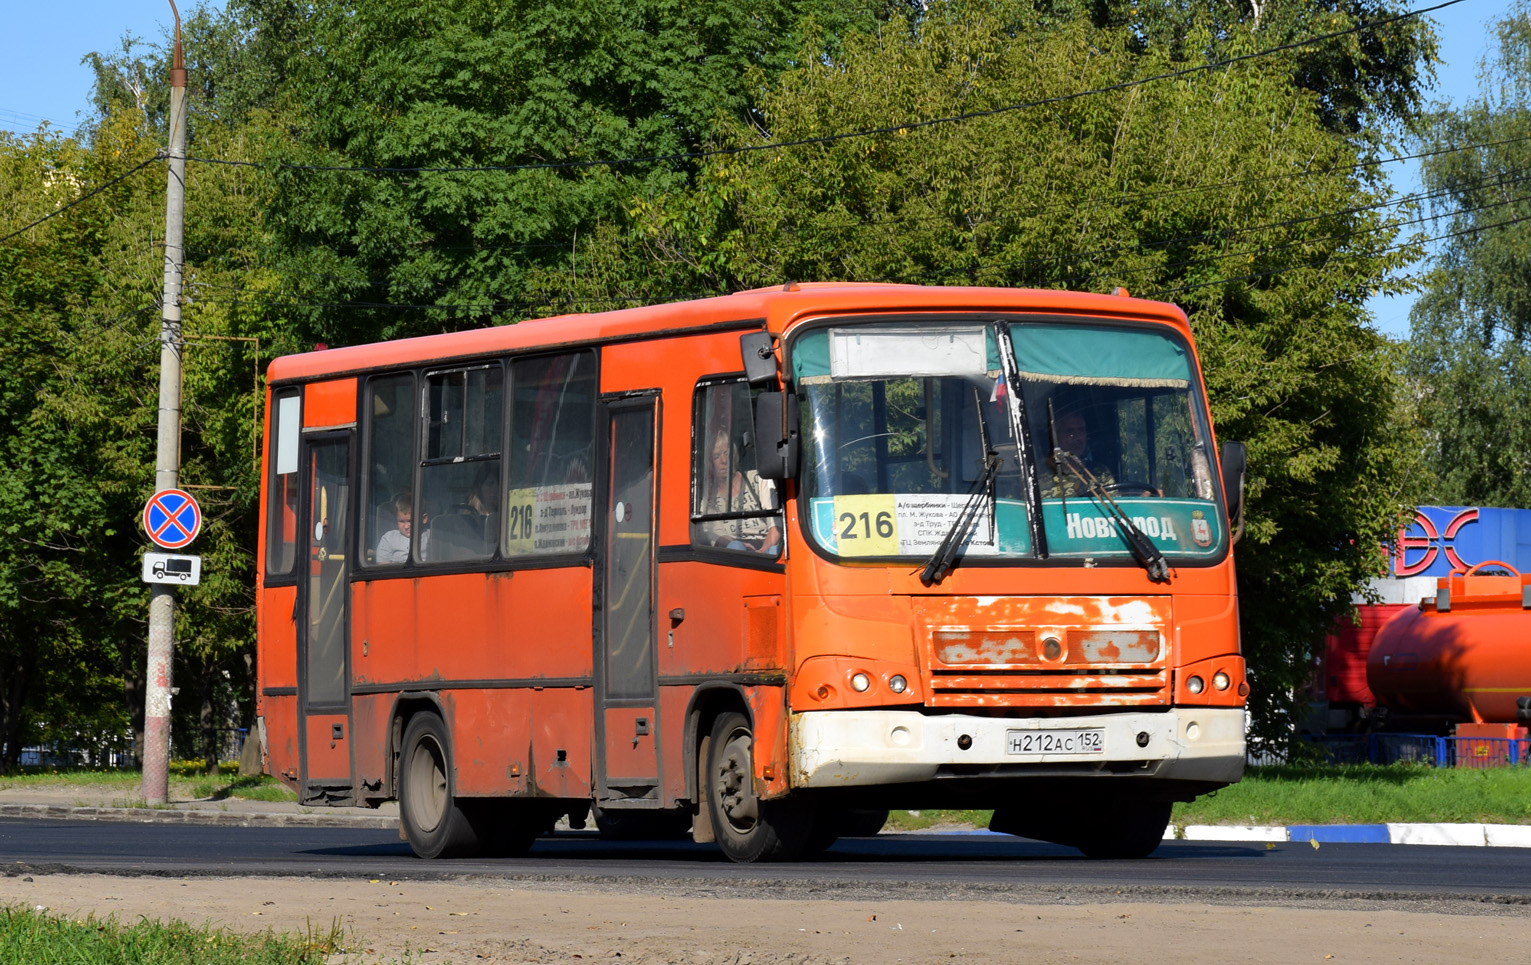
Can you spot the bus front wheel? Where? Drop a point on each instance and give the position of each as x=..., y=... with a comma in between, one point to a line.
x=434, y=822
x=748, y=828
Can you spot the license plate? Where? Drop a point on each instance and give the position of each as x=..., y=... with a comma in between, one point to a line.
x=1083, y=741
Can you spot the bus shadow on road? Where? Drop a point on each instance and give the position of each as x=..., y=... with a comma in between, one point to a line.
x=580, y=847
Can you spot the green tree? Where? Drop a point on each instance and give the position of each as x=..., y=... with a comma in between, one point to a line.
x=468, y=85
x=1363, y=83
x=237, y=60
x=67, y=610
x=1471, y=329
x=1227, y=191
x=80, y=297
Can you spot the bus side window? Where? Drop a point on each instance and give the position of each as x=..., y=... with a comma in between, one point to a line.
x=459, y=501
x=552, y=453
x=388, y=464
x=282, y=511
x=732, y=508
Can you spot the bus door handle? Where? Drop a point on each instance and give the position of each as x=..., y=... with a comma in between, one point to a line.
x=640, y=729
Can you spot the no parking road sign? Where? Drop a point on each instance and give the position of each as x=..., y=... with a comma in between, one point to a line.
x=172, y=518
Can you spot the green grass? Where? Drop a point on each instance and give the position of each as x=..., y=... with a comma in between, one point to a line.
x=921, y=820
x=1367, y=794
x=30, y=937
x=1354, y=794
x=188, y=779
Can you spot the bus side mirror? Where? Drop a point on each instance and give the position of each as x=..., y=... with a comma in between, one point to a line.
x=1233, y=460
x=776, y=445
x=759, y=357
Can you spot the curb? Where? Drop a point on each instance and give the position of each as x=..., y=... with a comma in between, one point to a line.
x=238, y=819
x=1454, y=835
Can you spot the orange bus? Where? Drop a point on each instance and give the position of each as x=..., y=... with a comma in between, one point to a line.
x=760, y=566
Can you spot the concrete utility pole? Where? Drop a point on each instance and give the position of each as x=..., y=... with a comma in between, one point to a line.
x=167, y=464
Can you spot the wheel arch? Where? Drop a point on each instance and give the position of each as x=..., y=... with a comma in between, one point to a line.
x=708, y=701
x=406, y=706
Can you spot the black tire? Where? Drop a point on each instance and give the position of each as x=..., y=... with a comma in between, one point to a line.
x=435, y=824
x=626, y=825
x=748, y=828
x=824, y=834
x=830, y=825
x=863, y=822
x=505, y=829
x=1131, y=833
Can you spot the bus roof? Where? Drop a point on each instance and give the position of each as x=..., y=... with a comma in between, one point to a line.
x=778, y=308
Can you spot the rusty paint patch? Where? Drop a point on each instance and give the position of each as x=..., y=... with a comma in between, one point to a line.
x=1046, y=651
x=956, y=647
x=1115, y=646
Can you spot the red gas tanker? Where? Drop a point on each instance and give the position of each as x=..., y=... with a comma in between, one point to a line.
x=1462, y=657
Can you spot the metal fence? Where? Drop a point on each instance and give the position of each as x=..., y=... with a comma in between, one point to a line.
x=1465, y=752
x=119, y=753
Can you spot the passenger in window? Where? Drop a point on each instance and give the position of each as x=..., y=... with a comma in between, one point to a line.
x=484, y=508
x=735, y=492
x=393, y=547
x=1073, y=437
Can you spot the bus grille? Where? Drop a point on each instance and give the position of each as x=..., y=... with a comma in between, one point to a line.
x=1024, y=652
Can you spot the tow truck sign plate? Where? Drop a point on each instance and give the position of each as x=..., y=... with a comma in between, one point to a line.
x=1081, y=741
x=172, y=569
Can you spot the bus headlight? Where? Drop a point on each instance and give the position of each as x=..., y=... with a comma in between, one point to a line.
x=860, y=682
x=1195, y=685
x=897, y=683
x=1220, y=680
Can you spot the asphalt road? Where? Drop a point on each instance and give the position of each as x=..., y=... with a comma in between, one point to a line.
x=903, y=863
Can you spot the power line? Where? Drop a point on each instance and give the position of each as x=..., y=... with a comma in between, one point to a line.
x=888, y=129
x=1198, y=238
x=975, y=272
x=636, y=299
x=1319, y=262
x=83, y=198
x=1269, y=249
x=847, y=135
x=1028, y=210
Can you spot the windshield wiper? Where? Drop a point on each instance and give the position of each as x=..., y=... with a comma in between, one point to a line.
x=981, y=492
x=1142, y=548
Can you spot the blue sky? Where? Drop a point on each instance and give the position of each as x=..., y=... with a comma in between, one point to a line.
x=41, y=77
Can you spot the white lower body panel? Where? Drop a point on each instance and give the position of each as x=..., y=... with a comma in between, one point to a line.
x=869, y=747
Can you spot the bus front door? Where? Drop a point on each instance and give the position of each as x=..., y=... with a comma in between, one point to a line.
x=323, y=621
x=626, y=682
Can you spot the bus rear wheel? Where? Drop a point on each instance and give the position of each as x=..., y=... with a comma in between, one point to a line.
x=435, y=824
x=748, y=828
x=505, y=829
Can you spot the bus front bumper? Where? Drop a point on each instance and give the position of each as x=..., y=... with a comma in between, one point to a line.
x=872, y=747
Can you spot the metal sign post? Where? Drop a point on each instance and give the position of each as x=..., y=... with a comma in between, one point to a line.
x=156, y=750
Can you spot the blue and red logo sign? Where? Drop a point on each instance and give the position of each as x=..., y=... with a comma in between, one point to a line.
x=172, y=518
x=1450, y=539
x=1432, y=543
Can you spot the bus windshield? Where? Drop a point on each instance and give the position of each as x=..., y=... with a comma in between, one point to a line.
x=913, y=429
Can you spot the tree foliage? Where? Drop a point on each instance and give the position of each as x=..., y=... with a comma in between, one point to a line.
x=1227, y=191
x=553, y=87
x=485, y=131
x=78, y=409
x=1471, y=329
